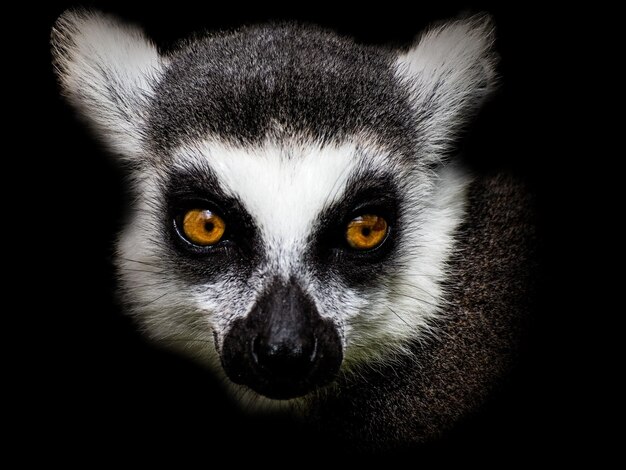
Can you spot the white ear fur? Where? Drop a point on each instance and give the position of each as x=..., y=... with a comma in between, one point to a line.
x=107, y=69
x=451, y=70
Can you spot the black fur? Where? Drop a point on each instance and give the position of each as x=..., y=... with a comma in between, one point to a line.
x=238, y=253
x=330, y=254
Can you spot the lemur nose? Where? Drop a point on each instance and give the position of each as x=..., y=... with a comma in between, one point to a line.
x=283, y=348
x=285, y=358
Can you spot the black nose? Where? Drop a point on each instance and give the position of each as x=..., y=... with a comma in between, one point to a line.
x=283, y=348
x=285, y=357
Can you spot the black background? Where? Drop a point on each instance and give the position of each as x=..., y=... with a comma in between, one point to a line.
x=98, y=387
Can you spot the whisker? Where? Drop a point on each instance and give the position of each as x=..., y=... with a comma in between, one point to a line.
x=140, y=262
x=151, y=284
x=432, y=304
x=142, y=271
x=174, y=340
x=155, y=300
x=412, y=286
x=399, y=317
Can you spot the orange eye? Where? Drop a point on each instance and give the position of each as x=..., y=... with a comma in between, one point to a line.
x=203, y=227
x=366, y=232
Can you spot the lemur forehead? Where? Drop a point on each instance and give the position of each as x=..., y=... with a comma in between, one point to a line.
x=279, y=81
x=286, y=188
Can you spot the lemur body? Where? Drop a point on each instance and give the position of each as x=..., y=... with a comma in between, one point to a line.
x=300, y=225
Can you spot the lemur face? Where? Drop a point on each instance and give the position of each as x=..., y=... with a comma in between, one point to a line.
x=294, y=208
x=282, y=249
x=288, y=258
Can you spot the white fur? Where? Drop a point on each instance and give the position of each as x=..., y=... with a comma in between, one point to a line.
x=285, y=188
x=107, y=69
x=451, y=69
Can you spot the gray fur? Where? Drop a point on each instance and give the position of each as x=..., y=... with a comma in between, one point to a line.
x=280, y=81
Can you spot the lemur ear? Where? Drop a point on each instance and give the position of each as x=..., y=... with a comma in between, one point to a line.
x=108, y=70
x=450, y=71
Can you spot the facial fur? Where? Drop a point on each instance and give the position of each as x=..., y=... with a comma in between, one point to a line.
x=288, y=132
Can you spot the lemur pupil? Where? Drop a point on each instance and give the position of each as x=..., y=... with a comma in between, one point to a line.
x=209, y=226
x=366, y=231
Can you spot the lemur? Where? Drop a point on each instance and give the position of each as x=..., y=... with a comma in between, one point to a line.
x=301, y=223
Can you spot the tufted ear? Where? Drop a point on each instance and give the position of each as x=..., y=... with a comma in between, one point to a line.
x=450, y=71
x=107, y=69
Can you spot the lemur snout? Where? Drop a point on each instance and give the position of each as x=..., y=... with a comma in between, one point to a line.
x=283, y=348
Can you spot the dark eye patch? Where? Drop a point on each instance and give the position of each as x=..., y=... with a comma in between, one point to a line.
x=366, y=193
x=198, y=188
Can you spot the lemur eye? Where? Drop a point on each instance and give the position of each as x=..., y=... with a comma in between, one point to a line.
x=366, y=232
x=203, y=227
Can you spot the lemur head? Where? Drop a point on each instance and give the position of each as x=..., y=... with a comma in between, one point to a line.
x=294, y=208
